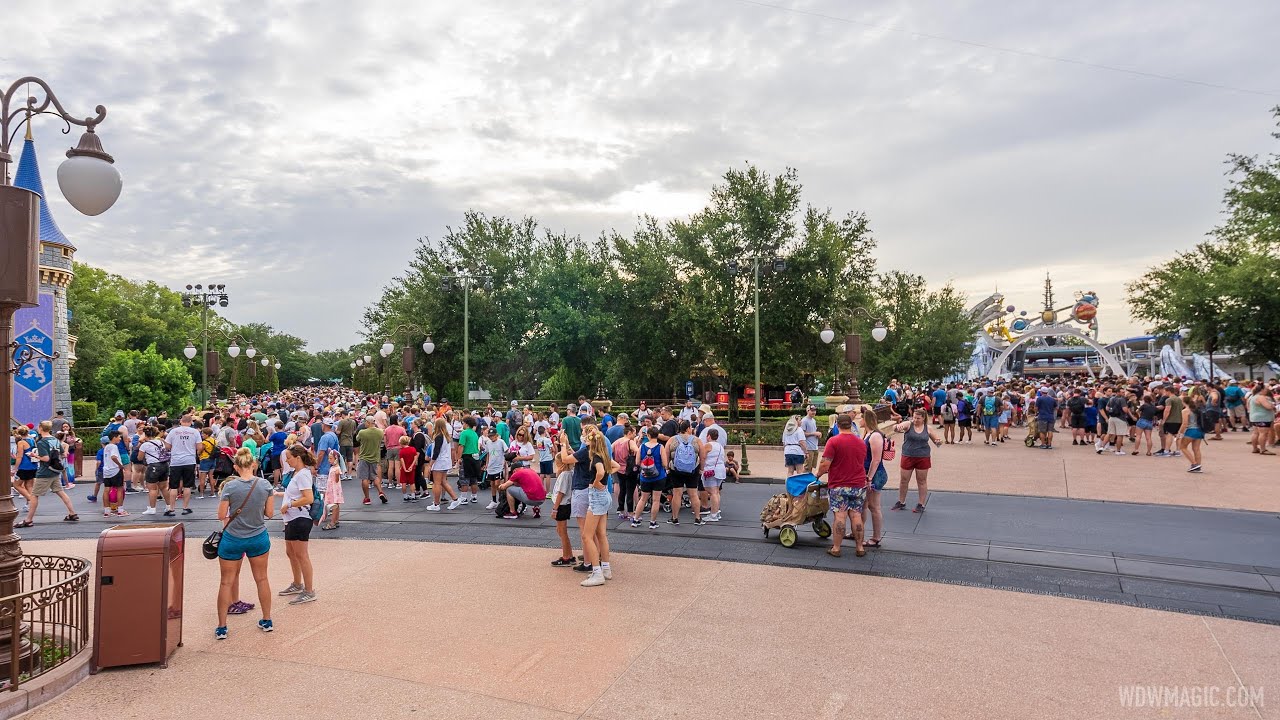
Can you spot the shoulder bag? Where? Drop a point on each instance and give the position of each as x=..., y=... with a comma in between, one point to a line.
x=210, y=546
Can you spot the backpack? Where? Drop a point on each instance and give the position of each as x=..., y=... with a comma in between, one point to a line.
x=949, y=412
x=222, y=465
x=648, y=468
x=989, y=405
x=685, y=458
x=207, y=447
x=55, y=459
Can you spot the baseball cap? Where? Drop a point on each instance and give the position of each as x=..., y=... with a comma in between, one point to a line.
x=327, y=421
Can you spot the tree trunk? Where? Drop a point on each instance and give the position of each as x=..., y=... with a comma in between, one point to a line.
x=733, y=400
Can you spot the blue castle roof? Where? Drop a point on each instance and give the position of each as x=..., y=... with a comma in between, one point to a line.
x=28, y=177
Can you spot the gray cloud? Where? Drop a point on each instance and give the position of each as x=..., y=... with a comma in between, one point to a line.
x=295, y=150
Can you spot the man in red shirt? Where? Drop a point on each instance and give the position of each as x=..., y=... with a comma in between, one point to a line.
x=524, y=486
x=843, y=461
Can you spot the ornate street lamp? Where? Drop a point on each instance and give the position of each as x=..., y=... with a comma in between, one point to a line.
x=853, y=343
x=91, y=184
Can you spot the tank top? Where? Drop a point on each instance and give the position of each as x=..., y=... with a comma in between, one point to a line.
x=714, y=461
x=1258, y=413
x=655, y=452
x=25, y=462
x=915, y=444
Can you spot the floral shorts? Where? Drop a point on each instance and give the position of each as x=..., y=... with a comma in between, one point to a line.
x=847, y=498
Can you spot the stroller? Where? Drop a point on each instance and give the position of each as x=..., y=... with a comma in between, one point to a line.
x=1033, y=438
x=805, y=501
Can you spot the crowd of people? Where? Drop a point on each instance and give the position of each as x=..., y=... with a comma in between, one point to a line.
x=1158, y=417
x=289, y=453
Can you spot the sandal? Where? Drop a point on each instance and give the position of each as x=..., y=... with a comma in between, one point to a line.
x=833, y=552
x=859, y=553
x=871, y=544
x=71, y=518
x=1266, y=452
x=23, y=524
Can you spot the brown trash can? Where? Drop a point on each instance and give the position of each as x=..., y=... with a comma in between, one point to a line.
x=137, y=610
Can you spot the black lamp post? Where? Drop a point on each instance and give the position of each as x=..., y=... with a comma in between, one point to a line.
x=91, y=184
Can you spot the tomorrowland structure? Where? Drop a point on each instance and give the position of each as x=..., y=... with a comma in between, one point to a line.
x=1064, y=341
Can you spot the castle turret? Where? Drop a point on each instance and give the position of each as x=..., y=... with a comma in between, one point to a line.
x=44, y=386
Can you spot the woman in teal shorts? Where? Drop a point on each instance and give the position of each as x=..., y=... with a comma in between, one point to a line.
x=247, y=503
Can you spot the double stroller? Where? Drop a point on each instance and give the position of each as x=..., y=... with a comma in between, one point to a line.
x=804, y=502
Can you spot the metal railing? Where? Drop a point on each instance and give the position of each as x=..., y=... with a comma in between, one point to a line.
x=52, y=612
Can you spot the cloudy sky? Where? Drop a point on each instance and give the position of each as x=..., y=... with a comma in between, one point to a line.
x=296, y=150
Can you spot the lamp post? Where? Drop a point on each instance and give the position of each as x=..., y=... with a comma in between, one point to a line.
x=466, y=281
x=853, y=343
x=775, y=264
x=406, y=353
x=91, y=184
x=205, y=298
x=211, y=357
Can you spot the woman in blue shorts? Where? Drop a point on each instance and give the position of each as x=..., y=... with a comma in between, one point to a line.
x=247, y=503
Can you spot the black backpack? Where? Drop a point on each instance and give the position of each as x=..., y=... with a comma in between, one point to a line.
x=55, y=456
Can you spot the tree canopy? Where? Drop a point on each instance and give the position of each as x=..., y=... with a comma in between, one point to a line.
x=1226, y=290
x=643, y=312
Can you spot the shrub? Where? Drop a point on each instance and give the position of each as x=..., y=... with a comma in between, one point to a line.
x=84, y=412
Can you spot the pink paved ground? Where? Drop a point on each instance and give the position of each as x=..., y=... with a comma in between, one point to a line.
x=1233, y=477
x=453, y=631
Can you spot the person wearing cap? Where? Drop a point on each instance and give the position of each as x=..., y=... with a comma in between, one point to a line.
x=328, y=441
x=808, y=426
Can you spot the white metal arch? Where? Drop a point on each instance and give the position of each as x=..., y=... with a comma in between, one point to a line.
x=1055, y=331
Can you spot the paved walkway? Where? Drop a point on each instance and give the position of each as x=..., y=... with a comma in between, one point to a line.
x=1216, y=562
x=460, y=631
x=1233, y=477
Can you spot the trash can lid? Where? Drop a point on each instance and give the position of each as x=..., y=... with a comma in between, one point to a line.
x=140, y=539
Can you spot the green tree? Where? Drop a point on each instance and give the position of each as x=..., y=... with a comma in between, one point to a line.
x=1226, y=290
x=110, y=313
x=928, y=338
x=144, y=378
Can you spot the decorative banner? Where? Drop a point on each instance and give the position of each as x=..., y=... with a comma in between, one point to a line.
x=33, y=385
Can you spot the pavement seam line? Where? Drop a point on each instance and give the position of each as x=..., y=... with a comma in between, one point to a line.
x=358, y=671
x=1239, y=681
x=643, y=651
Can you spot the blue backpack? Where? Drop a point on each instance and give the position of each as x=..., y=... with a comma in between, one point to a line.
x=685, y=458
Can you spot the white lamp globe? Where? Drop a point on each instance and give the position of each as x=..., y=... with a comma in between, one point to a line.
x=251, y=352
x=277, y=366
x=265, y=361
x=387, y=347
x=368, y=358
x=233, y=349
x=879, y=333
x=428, y=347
x=360, y=361
x=90, y=184
x=189, y=351
x=353, y=366
x=827, y=335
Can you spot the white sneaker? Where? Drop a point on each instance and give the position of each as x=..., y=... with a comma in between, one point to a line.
x=454, y=505
x=433, y=508
x=149, y=511
x=596, y=578
x=1121, y=452
x=492, y=504
x=608, y=573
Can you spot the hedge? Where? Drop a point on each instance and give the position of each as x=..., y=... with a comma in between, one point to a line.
x=84, y=412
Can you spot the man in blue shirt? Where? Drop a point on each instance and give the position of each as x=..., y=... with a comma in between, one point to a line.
x=1234, y=397
x=1046, y=414
x=328, y=441
x=939, y=399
